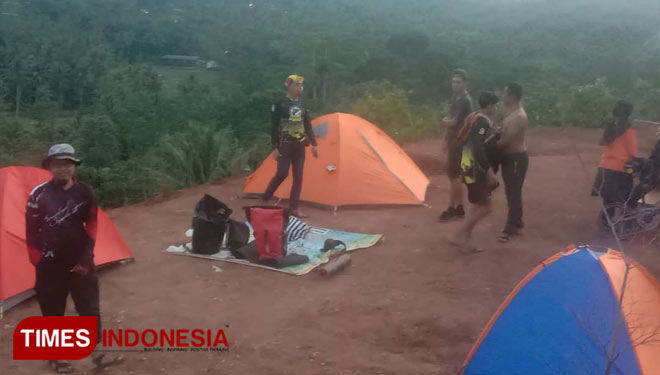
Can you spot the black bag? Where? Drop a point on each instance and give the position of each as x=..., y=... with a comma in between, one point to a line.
x=238, y=235
x=209, y=225
x=249, y=252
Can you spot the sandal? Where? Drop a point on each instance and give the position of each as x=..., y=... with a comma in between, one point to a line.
x=299, y=215
x=475, y=250
x=464, y=248
x=468, y=249
x=331, y=244
x=60, y=366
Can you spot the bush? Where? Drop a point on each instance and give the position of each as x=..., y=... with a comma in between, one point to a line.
x=16, y=142
x=387, y=106
x=646, y=98
x=587, y=105
x=100, y=141
x=197, y=155
x=541, y=103
x=123, y=183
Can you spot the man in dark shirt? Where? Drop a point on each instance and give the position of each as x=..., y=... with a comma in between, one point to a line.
x=61, y=222
x=291, y=134
x=476, y=168
x=461, y=107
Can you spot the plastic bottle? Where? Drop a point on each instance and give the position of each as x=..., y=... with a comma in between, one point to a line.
x=335, y=265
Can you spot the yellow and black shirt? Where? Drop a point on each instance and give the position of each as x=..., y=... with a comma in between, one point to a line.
x=475, y=163
x=291, y=123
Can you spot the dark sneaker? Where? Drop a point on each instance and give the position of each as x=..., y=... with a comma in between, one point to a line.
x=459, y=212
x=449, y=214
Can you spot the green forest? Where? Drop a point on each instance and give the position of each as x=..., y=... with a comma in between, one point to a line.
x=108, y=76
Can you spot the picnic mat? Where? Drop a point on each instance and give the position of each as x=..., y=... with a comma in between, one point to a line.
x=311, y=246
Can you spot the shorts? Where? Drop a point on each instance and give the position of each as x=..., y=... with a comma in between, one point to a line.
x=479, y=193
x=454, y=157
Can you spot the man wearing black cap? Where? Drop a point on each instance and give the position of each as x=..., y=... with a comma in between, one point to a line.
x=61, y=222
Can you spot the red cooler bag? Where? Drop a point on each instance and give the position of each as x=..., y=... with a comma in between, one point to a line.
x=269, y=225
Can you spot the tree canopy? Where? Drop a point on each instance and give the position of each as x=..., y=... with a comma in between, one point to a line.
x=93, y=73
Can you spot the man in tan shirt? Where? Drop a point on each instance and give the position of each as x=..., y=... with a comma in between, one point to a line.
x=515, y=159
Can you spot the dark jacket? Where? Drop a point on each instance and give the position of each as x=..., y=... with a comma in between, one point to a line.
x=61, y=224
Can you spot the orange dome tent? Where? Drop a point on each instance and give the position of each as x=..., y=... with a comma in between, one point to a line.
x=358, y=164
x=16, y=272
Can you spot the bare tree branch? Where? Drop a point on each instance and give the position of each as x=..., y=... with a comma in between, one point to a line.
x=637, y=331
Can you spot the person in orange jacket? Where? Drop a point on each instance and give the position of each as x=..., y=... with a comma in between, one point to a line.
x=613, y=184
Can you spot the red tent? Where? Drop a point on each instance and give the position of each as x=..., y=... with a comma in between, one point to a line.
x=16, y=271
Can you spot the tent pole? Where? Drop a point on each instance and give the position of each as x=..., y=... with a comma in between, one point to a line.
x=645, y=122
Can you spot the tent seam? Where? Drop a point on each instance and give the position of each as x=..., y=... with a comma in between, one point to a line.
x=625, y=321
x=366, y=140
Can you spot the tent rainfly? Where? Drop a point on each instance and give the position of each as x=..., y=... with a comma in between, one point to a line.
x=358, y=164
x=574, y=314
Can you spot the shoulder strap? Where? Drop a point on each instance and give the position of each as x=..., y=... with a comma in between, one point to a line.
x=464, y=128
x=479, y=114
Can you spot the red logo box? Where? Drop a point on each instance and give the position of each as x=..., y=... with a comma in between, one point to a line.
x=60, y=337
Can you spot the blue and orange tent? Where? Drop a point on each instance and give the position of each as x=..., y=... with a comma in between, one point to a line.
x=565, y=315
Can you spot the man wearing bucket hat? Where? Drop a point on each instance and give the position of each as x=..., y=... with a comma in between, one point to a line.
x=291, y=133
x=61, y=222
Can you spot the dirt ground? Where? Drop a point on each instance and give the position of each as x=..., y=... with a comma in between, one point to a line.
x=410, y=305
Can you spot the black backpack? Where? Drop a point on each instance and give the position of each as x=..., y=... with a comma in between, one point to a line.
x=209, y=225
x=238, y=235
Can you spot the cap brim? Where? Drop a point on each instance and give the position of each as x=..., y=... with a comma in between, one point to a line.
x=46, y=161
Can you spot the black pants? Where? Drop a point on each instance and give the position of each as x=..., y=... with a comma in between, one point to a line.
x=614, y=186
x=292, y=155
x=514, y=170
x=54, y=283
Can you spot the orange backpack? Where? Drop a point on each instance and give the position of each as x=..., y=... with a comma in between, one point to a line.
x=464, y=129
